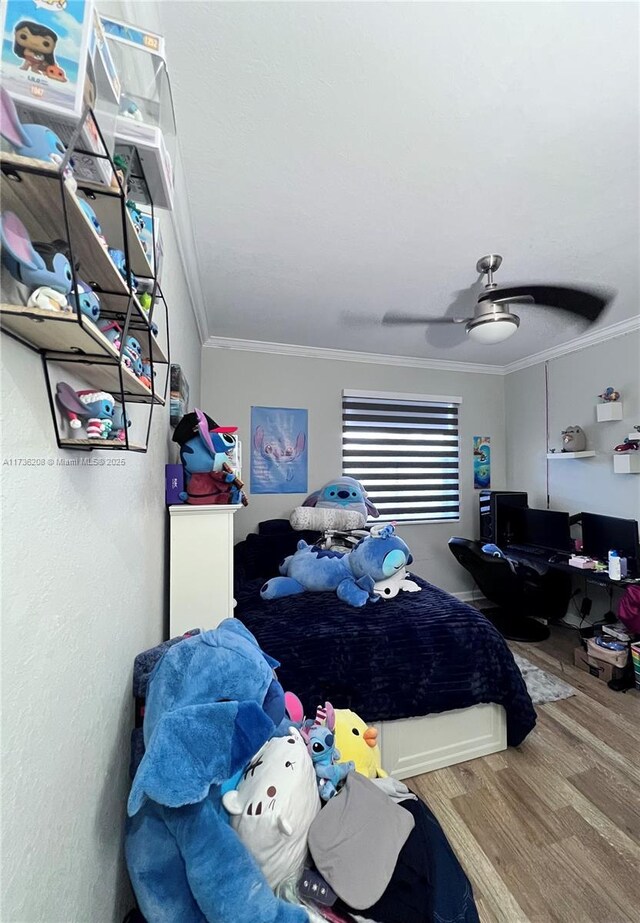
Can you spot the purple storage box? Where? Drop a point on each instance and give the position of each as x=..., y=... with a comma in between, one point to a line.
x=174, y=484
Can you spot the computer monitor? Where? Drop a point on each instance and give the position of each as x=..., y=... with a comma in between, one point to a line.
x=546, y=529
x=602, y=534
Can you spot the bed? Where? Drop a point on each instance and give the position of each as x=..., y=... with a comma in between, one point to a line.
x=431, y=672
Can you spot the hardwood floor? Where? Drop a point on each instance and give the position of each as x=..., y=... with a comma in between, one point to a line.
x=550, y=832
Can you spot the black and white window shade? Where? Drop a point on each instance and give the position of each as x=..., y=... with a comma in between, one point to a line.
x=404, y=449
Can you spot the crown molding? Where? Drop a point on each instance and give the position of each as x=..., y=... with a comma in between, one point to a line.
x=571, y=346
x=346, y=355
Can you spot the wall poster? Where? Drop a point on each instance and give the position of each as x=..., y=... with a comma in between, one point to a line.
x=279, y=457
x=481, y=462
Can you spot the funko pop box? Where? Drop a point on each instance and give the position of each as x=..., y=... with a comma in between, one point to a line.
x=54, y=61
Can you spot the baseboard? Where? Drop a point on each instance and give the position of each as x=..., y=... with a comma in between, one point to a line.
x=473, y=597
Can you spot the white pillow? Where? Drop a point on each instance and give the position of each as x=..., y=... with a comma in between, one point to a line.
x=274, y=804
x=310, y=517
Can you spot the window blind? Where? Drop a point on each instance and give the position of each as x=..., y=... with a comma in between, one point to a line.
x=404, y=449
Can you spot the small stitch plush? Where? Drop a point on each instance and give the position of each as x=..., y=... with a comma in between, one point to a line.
x=324, y=753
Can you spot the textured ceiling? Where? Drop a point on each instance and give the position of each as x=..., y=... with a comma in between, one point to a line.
x=347, y=159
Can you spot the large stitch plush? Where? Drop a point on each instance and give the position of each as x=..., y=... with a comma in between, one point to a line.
x=274, y=804
x=213, y=701
x=352, y=575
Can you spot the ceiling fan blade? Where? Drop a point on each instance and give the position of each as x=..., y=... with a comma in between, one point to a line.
x=397, y=319
x=520, y=299
x=585, y=303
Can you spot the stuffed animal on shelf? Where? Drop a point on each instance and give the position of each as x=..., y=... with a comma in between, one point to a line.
x=85, y=300
x=351, y=575
x=574, y=439
x=358, y=743
x=321, y=744
x=112, y=330
x=147, y=378
x=94, y=407
x=43, y=268
x=32, y=140
x=204, y=446
x=273, y=805
x=610, y=395
x=119, y=424
x=120, y=262
x=629, y=445
x=396, y=583
x=132, y=355
x=93, y=220
x=212, y=702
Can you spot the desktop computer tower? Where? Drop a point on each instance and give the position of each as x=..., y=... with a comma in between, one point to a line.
x=494, y=505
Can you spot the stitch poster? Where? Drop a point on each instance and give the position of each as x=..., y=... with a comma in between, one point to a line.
x=279, y=457
x=481, y=462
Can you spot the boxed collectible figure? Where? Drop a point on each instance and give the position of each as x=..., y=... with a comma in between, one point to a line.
x=55, y=61
x=146, y=120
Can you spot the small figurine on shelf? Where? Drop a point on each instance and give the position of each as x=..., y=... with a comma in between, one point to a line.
x=93, y=219
x=120, y=423
x=610, y=395
x=94, y=407
x=120, y=262
x=32, y=140
x=43, y=268
x=629, y=445
x=132, y=355
x=574, y=439
x=146, y=377
x=85, y=300
x=130, y=110
x=112, y=330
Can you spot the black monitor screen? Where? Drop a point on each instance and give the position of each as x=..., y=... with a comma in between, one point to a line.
x=546, y=529
x=602, y=534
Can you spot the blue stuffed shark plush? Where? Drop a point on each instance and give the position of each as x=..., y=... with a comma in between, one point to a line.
x=213, y=701
x=351, y=576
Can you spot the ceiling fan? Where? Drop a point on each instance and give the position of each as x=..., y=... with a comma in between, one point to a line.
x=493, y=320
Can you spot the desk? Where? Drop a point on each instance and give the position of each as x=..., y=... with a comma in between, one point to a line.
x=591, y=576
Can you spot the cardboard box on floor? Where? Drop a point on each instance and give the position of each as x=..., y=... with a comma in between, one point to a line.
x=598, y=668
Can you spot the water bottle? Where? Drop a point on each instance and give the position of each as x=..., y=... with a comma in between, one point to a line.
x=615, y=569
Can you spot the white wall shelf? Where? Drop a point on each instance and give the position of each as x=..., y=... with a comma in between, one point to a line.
x=588, y=454
x=612, y=410
x=634, y=437
x=626, y=462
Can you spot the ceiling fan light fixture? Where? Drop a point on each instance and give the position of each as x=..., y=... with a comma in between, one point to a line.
x=492, y=328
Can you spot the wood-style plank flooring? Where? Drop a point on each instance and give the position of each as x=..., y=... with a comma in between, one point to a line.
x=550, y=832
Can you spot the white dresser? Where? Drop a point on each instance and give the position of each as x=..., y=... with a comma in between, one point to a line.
x=201, y=568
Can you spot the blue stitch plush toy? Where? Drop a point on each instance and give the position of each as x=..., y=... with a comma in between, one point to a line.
x=321, y=743
x=344, y=493
x=212, y=702
x=352, y=575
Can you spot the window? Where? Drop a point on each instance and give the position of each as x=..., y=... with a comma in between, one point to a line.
x=404, y=449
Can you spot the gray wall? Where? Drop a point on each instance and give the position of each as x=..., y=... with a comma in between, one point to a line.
x=234, y=380
x=83, y=591
x=575, y=380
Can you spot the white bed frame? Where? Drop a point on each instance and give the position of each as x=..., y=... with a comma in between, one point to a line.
x=411, y=746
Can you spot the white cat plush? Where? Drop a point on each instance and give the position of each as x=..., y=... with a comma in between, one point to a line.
x=274, y=804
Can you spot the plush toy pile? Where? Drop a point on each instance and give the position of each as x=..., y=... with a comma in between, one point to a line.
x=225, y=805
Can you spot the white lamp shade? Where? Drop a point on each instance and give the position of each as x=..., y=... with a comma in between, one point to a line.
x=490, y=330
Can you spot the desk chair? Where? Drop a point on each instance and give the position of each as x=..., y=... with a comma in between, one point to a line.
x=517, y=596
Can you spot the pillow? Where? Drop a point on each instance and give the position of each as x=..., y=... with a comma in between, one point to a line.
x=310, y=517
x=274, y=804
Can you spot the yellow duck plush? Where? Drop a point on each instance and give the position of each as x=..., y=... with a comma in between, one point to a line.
x=358, y=742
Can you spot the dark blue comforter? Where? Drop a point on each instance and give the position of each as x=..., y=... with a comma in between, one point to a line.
x=417, y=654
